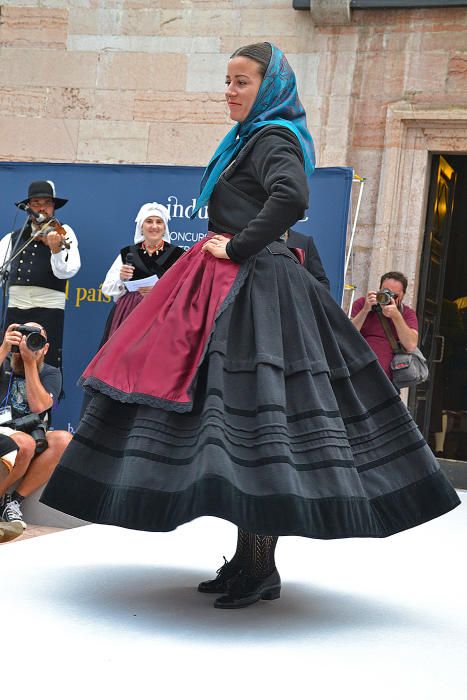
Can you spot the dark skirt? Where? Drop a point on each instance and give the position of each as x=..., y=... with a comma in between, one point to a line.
x=119, y=312
x=288, y=425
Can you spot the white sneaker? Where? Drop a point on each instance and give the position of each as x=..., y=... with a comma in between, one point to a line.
x=10, y=511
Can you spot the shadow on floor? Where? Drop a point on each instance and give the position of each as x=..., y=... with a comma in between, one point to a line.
x=164, y=601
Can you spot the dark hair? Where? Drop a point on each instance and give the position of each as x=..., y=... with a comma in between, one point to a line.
x=261, y=53
x=398, y=276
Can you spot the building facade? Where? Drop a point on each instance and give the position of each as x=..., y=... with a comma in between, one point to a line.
x=141, y=81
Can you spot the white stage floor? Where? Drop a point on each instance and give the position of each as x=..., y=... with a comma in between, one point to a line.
x=101, y=612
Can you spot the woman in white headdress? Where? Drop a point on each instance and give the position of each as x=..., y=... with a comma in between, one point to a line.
x=138, y=267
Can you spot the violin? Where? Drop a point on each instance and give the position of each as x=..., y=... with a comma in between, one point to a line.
x=53, y=225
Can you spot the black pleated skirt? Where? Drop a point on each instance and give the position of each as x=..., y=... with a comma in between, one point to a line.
x=294, y=430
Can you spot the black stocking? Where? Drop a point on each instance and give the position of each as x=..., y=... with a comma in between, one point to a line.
x=241, y=556
x=255, y=553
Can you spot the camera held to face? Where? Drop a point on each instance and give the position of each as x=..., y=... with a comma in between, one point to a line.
x=34, y=338
x=383, y=298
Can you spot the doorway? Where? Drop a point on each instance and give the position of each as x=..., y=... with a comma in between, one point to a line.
x=440, y=405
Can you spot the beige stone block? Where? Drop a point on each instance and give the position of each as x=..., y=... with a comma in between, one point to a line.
x=314, y=112
x=161, y=4
x=367, y=164
x=101, y=43
x=70, y=103
x=427, y=72
x=363, y=235
x=271, y=23
x=372, y=41
x=142, y=21
x=345, y=39
x=184, y=144
x=313, y=40
x=339, y=113
x=360, y=278
x=335, y=69
x=47, y=67
x=288, y=44
x=305, y=67
x=136, y=22
x=206, y=73
x=67, y=4
x=202, y=108
x=33, y=26
x=457, y=74
x=25, y=138
x=22, y=102
x=330, y=156
x=340, y=69
x=324, y=74
x=98, y=21
x=140, y=44
x=164, y=72
x=207, y=4
x=335, y=138
x=175, y=22
x=78, y=103
x=112, y=141
x=402, y=41
x=196, y=21
x=20, y=3
x=263, y=4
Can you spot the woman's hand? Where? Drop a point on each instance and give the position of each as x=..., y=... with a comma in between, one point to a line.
x=144, y=290
x=216, y=246
x=126, y=272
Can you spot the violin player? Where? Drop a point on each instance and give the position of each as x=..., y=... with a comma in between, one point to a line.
x=38, y=275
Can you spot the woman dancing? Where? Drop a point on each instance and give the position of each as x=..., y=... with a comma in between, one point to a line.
x=238, y=388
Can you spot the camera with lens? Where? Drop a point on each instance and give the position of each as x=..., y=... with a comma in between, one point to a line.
x=35, y=426
x=34, y=338
x=383, y=298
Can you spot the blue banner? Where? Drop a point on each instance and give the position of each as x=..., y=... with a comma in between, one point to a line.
x=103, y=203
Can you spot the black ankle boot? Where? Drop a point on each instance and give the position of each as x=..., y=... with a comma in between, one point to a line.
x=244, y=590
x=219, y=584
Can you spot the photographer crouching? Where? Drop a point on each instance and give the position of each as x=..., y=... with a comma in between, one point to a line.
x=28, y=389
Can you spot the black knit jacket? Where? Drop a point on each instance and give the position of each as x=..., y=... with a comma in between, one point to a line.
x=261, y=194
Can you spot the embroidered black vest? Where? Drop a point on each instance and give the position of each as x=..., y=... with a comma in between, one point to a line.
x=32, y=267
x=148, y=265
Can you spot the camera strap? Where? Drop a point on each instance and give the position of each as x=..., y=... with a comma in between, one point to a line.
x=7, y=395
x=395, y=346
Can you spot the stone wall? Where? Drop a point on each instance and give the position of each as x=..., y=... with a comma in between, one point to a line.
x=141, y=81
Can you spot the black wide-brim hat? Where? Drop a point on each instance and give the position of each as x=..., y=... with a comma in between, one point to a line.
x=43, y=188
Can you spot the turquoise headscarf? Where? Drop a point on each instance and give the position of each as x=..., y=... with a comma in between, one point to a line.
x=277, y=103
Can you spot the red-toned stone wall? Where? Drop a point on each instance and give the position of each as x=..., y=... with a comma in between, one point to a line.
x=141, y=81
